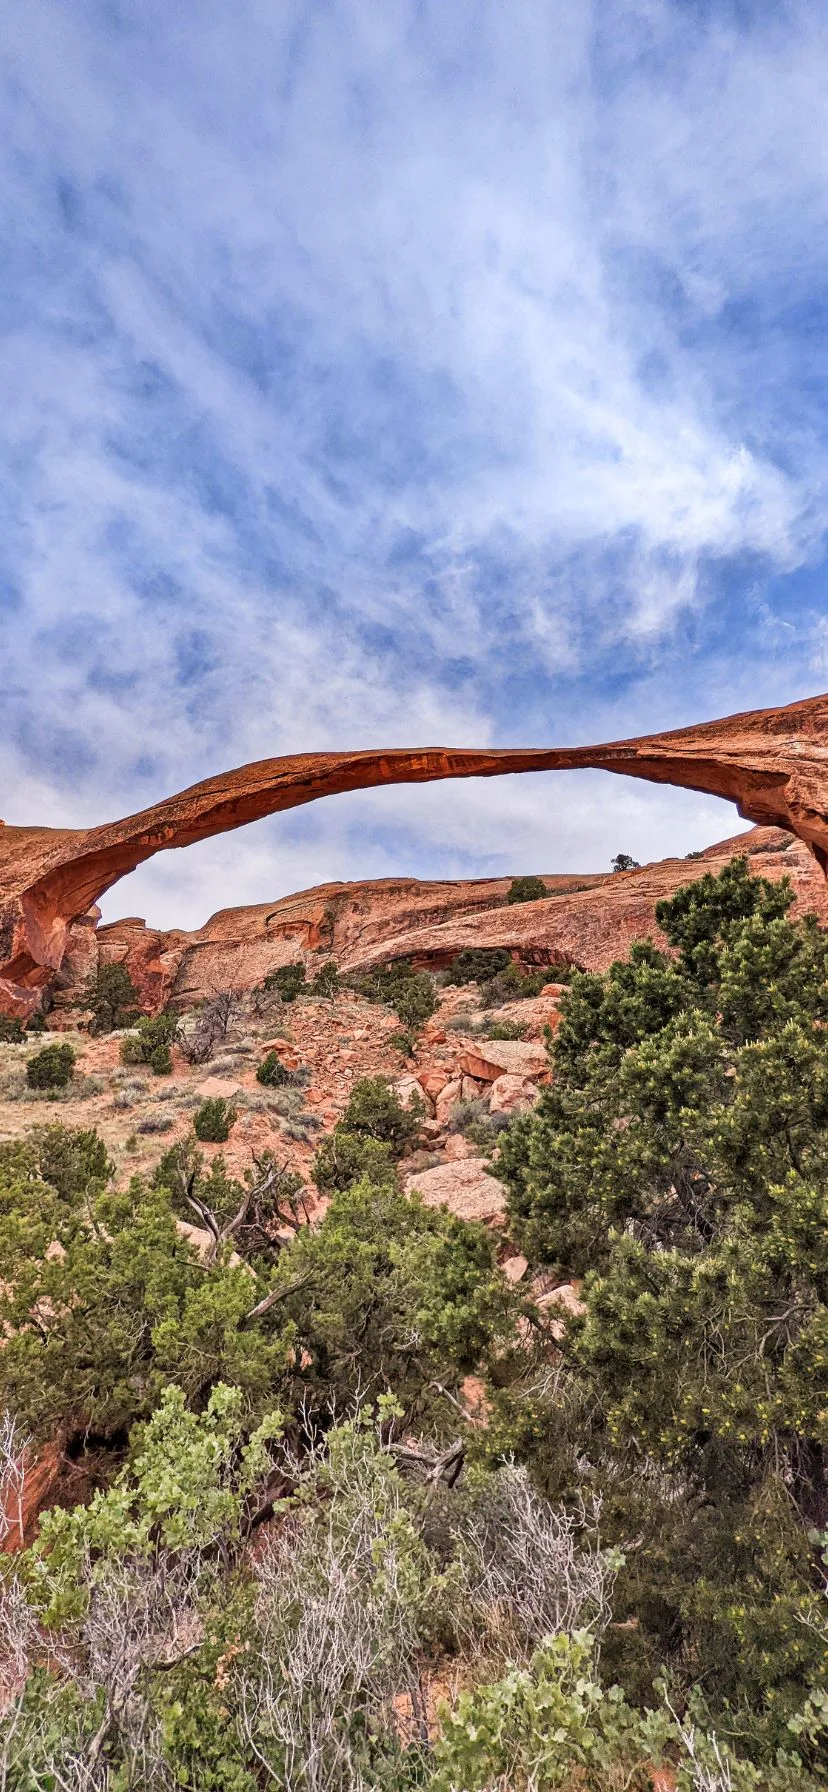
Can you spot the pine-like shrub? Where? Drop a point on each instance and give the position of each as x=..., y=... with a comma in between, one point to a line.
x=53, y=1068
x=214, y=1120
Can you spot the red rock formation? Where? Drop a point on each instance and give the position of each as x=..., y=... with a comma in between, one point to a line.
x=771, y=763
x=587, y=921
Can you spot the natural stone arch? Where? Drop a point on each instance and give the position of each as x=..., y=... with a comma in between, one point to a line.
x=773, y=764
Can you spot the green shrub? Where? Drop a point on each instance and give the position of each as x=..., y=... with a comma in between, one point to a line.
x=53, y=1068
x=326, y=982
x=679, y=1160
x=346, y=1157
x=623, y=862
x=111, y=995
x=92, y=1334
x=549, y=1726
x=151, y=1041
x=374, y=1130
x=410, y=993
x=415, y=1002
x=287, y=982
x=214, y=1120
x=272, y=1072
x=513, y=985
x=502, y=1029
x=11, y=1030
x=375, y=1111
x=477, y=964
x=526, y=889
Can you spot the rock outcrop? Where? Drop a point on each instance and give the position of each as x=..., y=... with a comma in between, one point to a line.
x=773, y=764
x=587, y=921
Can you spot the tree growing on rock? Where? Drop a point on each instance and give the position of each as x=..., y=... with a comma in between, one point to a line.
x=112, y=998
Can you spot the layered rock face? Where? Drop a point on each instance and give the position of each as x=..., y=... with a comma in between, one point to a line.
x=773, y=764
x=586, y=921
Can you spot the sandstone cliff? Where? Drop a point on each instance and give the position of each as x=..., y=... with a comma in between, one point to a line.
x=770, y=763
x=587, y=921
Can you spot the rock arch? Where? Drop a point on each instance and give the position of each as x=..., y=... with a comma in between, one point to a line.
x=772, y=763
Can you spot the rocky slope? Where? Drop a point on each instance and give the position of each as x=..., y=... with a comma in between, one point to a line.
x=587, y=921
x=771, y=763
x=466, y=1082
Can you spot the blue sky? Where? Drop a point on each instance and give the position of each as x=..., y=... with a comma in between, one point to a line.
x=416, y=372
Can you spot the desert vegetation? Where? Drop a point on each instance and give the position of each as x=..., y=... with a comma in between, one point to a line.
x=344, y=1505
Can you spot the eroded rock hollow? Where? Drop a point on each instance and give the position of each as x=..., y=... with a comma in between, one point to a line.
x=773, y=764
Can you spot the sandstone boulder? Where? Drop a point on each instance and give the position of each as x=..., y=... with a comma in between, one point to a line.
x=449, y=1094
x=456, y=1148
x=410, y=1088
x=466, y=1188
x=511, y=1094
x=489, y=1059
x=515, y=1268
x=434, y=1080
x=218, y=1086
x=560, y=1304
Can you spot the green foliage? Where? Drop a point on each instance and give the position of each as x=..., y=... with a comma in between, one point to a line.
x=539, y=1727
x=268, y=1201
x=515, y=983
x=213, y=1121
x=374, y=1130
x=680, y=1159
x=393, y=1296
x=476, y=964
x=410, y=993
x=346, y=1157
x=11, y=1030
x=503, y=1029
x=272, y=1073
x=375, y=1111
x=288, y=981
x=327, y=980
x=526, y=889
x=151, y=1041
x=112, y=997
x=51, y=1068
x=103, y=1300
x=184, y=1489
x=623, y=862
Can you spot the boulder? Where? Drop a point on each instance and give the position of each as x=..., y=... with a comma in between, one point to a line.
x=511, y=1094
x=491, y=1058
x=533, y=1014
x=434, y=1080
x=559, y=1304
x=410, y=1088
x=466, y=1188
x=449, y=1094
x=457, y=1147
x=217, y=1085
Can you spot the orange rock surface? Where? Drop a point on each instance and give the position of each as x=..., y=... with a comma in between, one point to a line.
x=588, y=921
x=771, y=763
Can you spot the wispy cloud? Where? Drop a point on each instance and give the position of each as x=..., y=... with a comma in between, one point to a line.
x=408, y=372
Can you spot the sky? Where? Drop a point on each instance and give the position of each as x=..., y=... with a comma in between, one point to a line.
x=406, y=373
